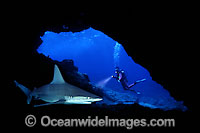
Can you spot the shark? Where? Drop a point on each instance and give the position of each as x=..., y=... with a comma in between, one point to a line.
x=58, y=91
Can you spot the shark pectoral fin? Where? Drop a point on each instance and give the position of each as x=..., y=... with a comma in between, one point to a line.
x=42, y=104
x=61, y=101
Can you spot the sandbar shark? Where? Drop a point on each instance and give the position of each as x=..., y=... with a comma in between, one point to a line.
x=59, y=92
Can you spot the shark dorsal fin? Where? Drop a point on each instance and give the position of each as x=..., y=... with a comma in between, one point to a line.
x=57, y=78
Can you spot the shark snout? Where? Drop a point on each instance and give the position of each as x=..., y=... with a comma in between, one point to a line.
x=96, y=99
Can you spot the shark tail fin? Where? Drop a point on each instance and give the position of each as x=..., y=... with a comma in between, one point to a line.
x=26, y=91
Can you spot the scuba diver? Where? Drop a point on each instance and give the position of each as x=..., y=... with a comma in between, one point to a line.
x=121, y=77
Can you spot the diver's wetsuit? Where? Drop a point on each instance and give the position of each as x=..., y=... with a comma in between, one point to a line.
x=121, y=77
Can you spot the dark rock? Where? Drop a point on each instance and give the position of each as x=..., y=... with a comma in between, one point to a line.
x=67, y=65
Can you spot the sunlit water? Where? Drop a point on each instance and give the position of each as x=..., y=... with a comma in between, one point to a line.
x=97, y=55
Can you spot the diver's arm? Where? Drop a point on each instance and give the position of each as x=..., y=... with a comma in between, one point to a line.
x=114, y=76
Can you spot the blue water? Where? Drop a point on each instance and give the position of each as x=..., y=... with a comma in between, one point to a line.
x=97, y=55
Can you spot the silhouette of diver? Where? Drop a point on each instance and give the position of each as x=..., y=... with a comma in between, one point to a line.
x=121, y=77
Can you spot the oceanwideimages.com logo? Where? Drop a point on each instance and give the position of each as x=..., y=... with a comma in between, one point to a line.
x=47, y=121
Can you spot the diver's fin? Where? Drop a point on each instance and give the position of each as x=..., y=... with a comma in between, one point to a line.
x=138, y=81
x=61, y=101
x=58, y=78
x=26, y=91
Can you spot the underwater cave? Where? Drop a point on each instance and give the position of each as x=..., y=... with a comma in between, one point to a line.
x=97, y=55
